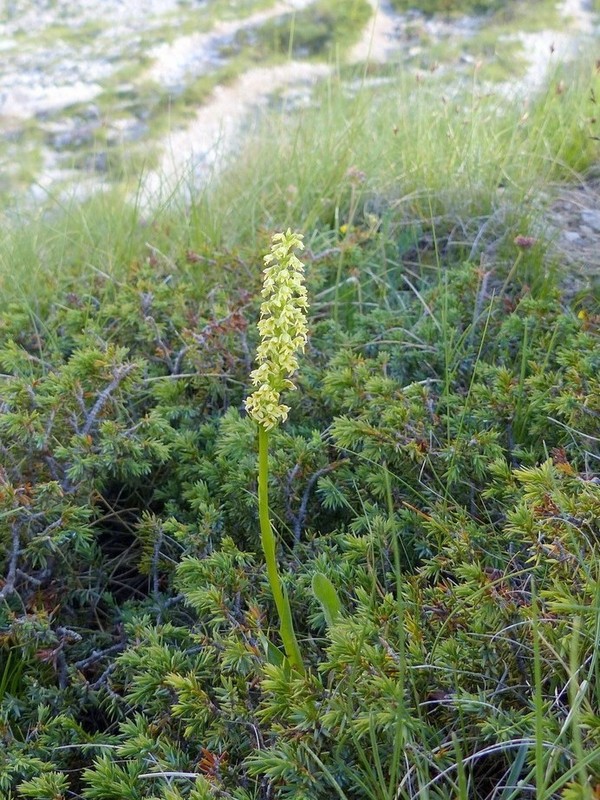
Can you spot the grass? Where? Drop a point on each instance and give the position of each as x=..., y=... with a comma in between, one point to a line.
x=325, y=28
x=494, y=44
x=417, y=150
x=11, y=672
x=85, y=34
x=514, y=13
x=527, y=18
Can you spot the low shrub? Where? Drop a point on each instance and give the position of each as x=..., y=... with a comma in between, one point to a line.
x=438, y=467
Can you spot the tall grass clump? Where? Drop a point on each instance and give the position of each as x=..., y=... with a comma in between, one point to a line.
x=66, y=240
x=420, y=148
x=422, y=144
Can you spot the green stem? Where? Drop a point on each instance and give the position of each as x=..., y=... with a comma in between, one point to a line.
x=282, y=603
x=538, y=699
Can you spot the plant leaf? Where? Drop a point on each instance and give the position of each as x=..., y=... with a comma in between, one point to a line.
x=325, y=592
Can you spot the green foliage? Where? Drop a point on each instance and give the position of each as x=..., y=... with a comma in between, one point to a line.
x=315, y=31
x=450, y=6
x=51, y=786
x=430, y=474
x=325, y=592
x=435, y=495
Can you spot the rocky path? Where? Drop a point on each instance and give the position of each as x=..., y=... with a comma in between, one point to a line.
x=81, y=90
x=193, y=153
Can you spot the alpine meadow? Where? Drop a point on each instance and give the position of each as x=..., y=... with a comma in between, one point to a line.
x=300, y=446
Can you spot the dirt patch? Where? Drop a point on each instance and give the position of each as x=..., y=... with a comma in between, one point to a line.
x=574, y=225
x=192, y=153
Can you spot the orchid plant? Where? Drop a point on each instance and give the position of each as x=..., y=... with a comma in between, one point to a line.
x=283, y=333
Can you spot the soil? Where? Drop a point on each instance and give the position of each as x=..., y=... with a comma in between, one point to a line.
x=573, y=223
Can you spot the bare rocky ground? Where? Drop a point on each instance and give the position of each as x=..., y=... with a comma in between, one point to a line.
x=574, y=225
x=90, y=91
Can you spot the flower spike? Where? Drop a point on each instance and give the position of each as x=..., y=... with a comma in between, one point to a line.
x=283, y=330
